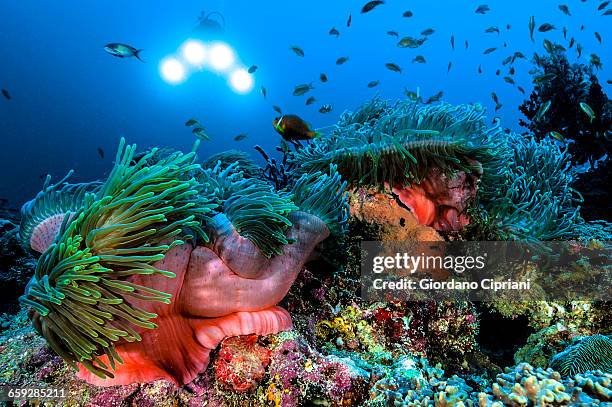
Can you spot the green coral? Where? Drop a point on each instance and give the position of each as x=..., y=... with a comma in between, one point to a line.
x=80, y=284
x=54, y=199
x=589, y=353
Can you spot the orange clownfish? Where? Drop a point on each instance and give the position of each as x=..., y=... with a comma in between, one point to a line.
x=293, y=128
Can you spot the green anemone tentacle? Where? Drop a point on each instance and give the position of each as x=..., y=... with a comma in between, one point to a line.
x=401, y=143
x=54, y=199
x=79, y=290
x=254, y=208
x=325, y=196
x=246, y=164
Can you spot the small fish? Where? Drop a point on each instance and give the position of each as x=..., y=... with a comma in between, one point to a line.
x=325, y=109
x=588, y=111
x=482, y=9
x=571, y=43
x=277, y=109
x=297, y=50
x=373, y=84
x=607, y=12
x=335, y=32
x=520, y=89
x=497, y=72
x=393, y=33
x=609, y=81
x=544, y=78
x=556, y=136
x=264, y=92
x=6, y=94
x=565, y=9
x=200, y=133
x=546, y=27
x=508, y=26
x=435, y=98
x=410, y=42
x=479, y=69
x=101, y=152
x=603, y=5
x=452, y=41
x=310, y=100
x=120, y=50
x=467, y=44
x=407, y=14
x=371, y=5
x=579, y=50
x=511, y=71
x=191, y=122
x=582, y=27
x=252, y=69
x=509, y=80
x=349, y=20
x=240, y=137
x=489, y=50
x=495, y=98
x=419, y=59
x=323, y=77
x=393, y=67
x=519, y=54
x=531, y=27
x=411, y=95
x=341, y=60
x=548, y=46
x=542, y=111
x=498, y=106
x=595, y=61
x=450, y=65
x=598, y=36
x=292, y=128
x=492, y=29
x=507, y=60
x=300, y=90
x=427, y=32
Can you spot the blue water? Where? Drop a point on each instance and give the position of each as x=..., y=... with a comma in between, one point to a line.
x=70, y=97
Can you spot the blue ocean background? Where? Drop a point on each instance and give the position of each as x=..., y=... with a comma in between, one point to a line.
x=69, y=97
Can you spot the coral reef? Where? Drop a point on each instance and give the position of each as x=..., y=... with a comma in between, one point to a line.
x=589, y=353
x=16, y=266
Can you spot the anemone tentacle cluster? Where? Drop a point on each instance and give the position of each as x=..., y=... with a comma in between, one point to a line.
x=123, y=264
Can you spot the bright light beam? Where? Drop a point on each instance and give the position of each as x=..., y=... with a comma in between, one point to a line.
x=241, y=81
x=172, y=70
x=221, y=56
x=194, y=52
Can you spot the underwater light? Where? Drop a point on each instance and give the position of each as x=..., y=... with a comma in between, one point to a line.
x=172, y=70
x=221, y=56
x=194, y=52
x=241, y=81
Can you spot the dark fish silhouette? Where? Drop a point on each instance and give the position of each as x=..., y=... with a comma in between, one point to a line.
x=492, y=29
x=101, y=152
x=323, y=77
x=277, y=109
x=603, y=5
x=240, y=137
x=348, y=21
x=252, y=69
x=335, y=32
x=300, y=90
x=482, y=9
x=452, y=41
x=310, y=101
x=393, y=33
x=598, y=36
x=297, y=50
x=6, y=94
x=393, y=67
x=419, y=59
x=546, y=27
x=372, y=84
x=371, y=5
x=264, y=92
x=325, y=109
x=341, y=60
x=407, y=14
x=565, y=9
x=427, y=32
x=450, y=65
x=531, y=27
x=489, y=50
x=292, y=128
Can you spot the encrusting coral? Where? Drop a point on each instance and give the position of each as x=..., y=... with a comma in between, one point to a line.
x=124, y=296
